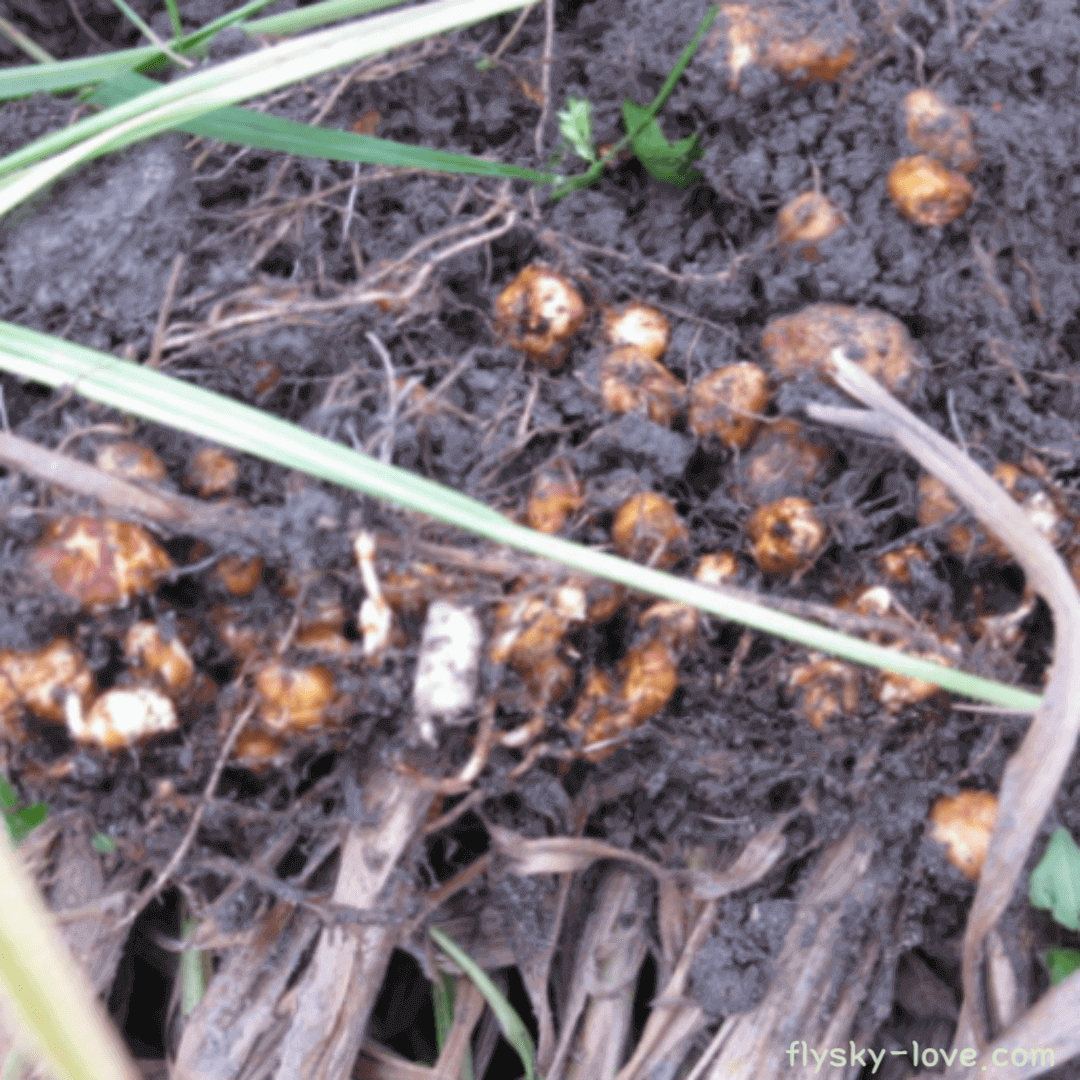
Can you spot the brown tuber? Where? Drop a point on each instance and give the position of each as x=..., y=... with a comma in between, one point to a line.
x=638, y=325
x=820, y=53
x=940, y=129
x=528, y=636
x=827, y=688
x=877, y=342
x=555, y=495
x=647, y=677
x=100, y=564
x=538, y=312
x=130, y=461
x=807, y=221
x=241, y=577
x=156, y=659
x=936, y=505
x=897, y=565
x=964, y=823
x=212, y=472
x=927, y=193
x=295, y=698
x=717, y=568
x=647, y=529
x=631, y=379
x=121, y=717
x=786, y=536
x=41, y=681
x=781, y=461
x=727, y=405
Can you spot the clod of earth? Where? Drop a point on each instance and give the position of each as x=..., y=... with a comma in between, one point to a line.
x=648, y=529
x=99, y=563
x=631, y=379
x=940, y=129
x=964, y=823
x=877, y=342
x=927, y=192
x=727, y=404
x=786, y=536
x=538, y=312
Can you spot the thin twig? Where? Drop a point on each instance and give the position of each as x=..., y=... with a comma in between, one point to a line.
x=179, y=854
x=166, y=310
x=987, y=15
x=92, y=34
x=386, y=450
x=519, y=22
x=545, y=76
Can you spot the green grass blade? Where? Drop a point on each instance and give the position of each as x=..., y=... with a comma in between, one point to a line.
x=237, y=80
x=47, y=991
x=249, y=128
x=442, y=1001
x=159, y=398
x=72, y=74
x=192, y=970
x=24, y=42
x=308, y=18
x=513, y=1027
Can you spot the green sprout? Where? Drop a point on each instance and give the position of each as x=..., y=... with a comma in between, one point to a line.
x=575, y=126
x=513, y=1027
x=1055, y=886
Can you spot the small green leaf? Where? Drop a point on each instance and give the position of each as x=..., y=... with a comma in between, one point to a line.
x=8, y=798
x=1055, y=882
x=103, y=843
x=21, y=823
x=664, y=160
x=575, y=126
x=513, y=1027
x=1061, y=963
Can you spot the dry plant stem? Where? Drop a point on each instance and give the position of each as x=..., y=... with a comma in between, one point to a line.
x=364, y=293
x=120, y=495
x=184, y=846
x=337, y=992
x=545, y=75
x=166, y=308
x=1032, y=776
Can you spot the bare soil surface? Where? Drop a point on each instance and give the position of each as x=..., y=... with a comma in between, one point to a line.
x=238, y=272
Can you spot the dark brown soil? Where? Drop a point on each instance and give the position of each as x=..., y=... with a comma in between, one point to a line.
x=992, y=302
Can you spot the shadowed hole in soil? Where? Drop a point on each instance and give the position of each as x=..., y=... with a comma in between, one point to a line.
x=143, y=986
